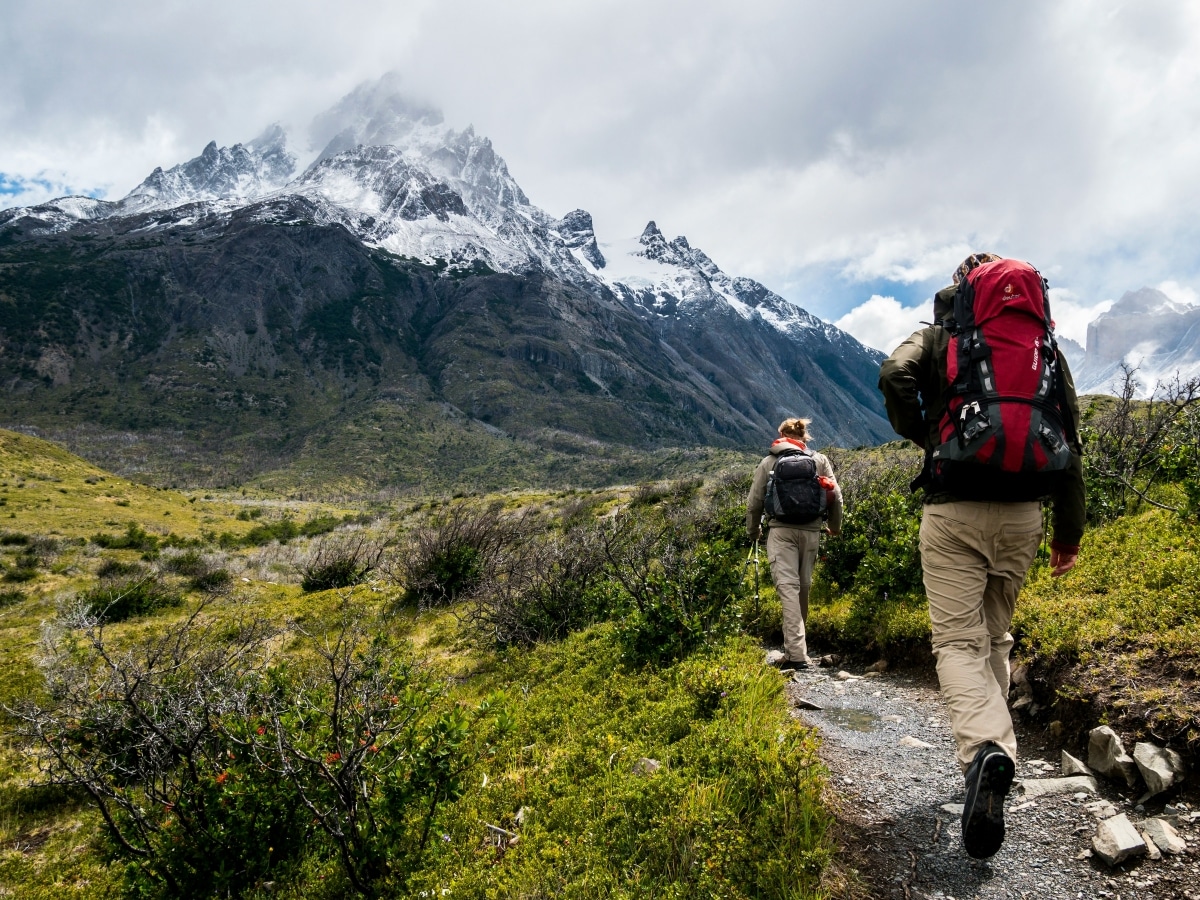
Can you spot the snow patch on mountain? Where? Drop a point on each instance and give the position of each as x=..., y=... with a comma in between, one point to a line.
x=61, y=214
x=242, y=172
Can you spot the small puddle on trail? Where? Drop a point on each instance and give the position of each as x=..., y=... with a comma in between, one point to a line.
x=853, y=719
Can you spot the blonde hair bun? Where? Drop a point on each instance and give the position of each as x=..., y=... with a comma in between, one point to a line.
x=795, y=428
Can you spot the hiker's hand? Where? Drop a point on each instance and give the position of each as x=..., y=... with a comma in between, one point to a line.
x=1061, y=563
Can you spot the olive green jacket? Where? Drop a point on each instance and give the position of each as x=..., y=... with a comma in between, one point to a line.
x=914, y=385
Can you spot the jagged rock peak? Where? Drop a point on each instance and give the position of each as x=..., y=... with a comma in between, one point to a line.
x=677, y=252
x=578, y=233
x=241, y=172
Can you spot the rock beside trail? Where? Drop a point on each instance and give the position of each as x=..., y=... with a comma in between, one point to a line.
x=1040, y=787
x=646, y=766
x=1117, y=840
x=1164, y=835
x=906, y=804
x=1106, y=755
x=1073, y=766
x=1161, y=768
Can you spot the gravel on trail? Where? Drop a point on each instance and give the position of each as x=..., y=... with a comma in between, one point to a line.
x=886, y=741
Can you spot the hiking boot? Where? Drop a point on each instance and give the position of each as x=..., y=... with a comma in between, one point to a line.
x=988, y=779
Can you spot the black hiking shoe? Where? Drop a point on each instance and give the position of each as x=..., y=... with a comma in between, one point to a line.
x=988, y=779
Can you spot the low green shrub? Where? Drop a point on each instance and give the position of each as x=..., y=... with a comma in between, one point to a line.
x=1151, y=598
x=23, y=571
x=219, y=764
x=212, y=581
x=282, y=531
x=678, y=596
x=124, y=599
x=134, y=538
x=454, y=554
x=191, y=563
x=10, y=598
x=340, y=562
x=545, y=588
x=115, y=568
x=867, y=588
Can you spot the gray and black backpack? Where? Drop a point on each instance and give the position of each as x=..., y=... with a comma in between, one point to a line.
x=795, y=495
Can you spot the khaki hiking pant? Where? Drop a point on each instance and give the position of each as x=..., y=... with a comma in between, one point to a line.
x=792, y=554
x=974, y=557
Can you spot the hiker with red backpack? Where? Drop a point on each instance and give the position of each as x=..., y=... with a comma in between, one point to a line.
x=987, y=394
x=795, y=495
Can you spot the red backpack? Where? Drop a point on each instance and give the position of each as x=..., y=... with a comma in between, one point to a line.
x=1007, y=432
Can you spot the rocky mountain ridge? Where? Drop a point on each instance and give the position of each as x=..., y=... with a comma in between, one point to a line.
x=404, y=266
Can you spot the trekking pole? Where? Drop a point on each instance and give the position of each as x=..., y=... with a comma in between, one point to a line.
x=756, y=603
x=753, y=555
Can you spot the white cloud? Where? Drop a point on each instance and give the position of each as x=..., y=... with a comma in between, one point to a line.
x=883, y=323
x=1180, y=293
x=1071, y=317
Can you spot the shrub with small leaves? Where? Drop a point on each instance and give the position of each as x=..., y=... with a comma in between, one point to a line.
x=134, y=538
x=123, y=599
x=115, y=568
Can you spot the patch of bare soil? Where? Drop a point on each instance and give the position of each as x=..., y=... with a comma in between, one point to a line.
x=887, y=743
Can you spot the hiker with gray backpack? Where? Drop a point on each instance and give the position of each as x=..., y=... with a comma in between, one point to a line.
x=985, y=391
x=795, y=496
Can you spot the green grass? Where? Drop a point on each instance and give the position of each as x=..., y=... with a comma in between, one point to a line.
x=734, y=811
x=1120, y=634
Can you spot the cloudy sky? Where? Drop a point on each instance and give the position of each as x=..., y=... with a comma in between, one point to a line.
x=846, y=155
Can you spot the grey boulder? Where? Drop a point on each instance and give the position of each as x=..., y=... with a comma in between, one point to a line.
x=1117, y=840
x=1164, y=835
x=1161, y=768
x=1106, y=755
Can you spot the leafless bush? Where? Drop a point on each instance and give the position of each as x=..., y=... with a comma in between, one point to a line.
x=1132, y=444
x=542, y=588
x=454, y=554
x=340, y=560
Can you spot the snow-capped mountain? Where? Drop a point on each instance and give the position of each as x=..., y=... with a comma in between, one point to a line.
x=239, y=173
x=406, y=254
x=393, y=173
x=1145, y=329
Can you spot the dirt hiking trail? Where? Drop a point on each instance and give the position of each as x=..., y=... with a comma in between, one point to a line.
x=886, y=741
